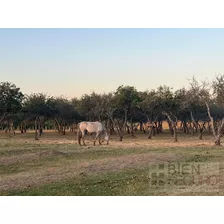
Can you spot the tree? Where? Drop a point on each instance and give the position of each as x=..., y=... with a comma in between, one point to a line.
x=38, y=107
x=63, y=113
x=218, y=105
x=151, y=112
x=169, y=105
x=87, y=106
x=11, y=98
x=218, y=90
x=10, y=104
x=216, y=116
x=126, y=101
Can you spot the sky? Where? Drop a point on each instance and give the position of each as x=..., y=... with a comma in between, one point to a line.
x=72, y=62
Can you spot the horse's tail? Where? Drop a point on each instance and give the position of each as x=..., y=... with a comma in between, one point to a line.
x=107, y=136
x=79, y=134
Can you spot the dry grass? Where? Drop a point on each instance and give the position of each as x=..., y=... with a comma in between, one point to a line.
x=29, y=164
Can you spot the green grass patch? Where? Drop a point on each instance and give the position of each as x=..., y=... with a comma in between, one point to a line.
x=131, y=182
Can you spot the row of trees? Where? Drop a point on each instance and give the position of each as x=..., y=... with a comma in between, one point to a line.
x=194, y=109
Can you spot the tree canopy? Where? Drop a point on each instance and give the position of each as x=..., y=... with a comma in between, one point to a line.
x=194, y=106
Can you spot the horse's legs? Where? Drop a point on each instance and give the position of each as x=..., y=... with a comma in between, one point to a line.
x=99, y=139
x=83, y=135
x=97, y=135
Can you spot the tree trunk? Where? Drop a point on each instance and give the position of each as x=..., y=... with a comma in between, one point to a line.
x=156, y=127
x=200, y=134
x=63, y=126
x=173, y=125
x=170, y=127
x=191, y=127
x=217, y=134
x=201, y=130
x=121, y=135
x=151, y=132
x=209, y=129
x=106, y=124
x=160, y=126
x=132, y=128
x=36, y=128
x=11, y=128
x=57, y=125
x=21, y=128
x=184, y=126
x=175, y=132
x=218, y=140
x=141, y=126
x=2, y=118
x=118, y=130
x=128, y=129
x=40, y=126
x=187, y=128
x=111, y=130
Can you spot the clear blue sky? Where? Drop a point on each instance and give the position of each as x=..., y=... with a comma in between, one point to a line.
x=72, y=62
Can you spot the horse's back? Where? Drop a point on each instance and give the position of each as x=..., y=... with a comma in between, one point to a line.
x=91, y=126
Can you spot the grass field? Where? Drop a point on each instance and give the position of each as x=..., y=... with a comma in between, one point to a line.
x=56, y=165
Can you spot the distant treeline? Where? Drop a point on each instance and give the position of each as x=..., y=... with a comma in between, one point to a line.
x=198, y=107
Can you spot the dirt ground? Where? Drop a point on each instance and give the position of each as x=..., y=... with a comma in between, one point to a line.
x=26, y=163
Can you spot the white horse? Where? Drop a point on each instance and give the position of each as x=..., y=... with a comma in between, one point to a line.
x=91, y=127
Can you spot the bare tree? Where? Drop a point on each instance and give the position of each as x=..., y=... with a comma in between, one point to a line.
x=173, y=120
x=39, y=127
x=119, y=124
x=217, y=132
x=199, y=126
x=201, y=93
